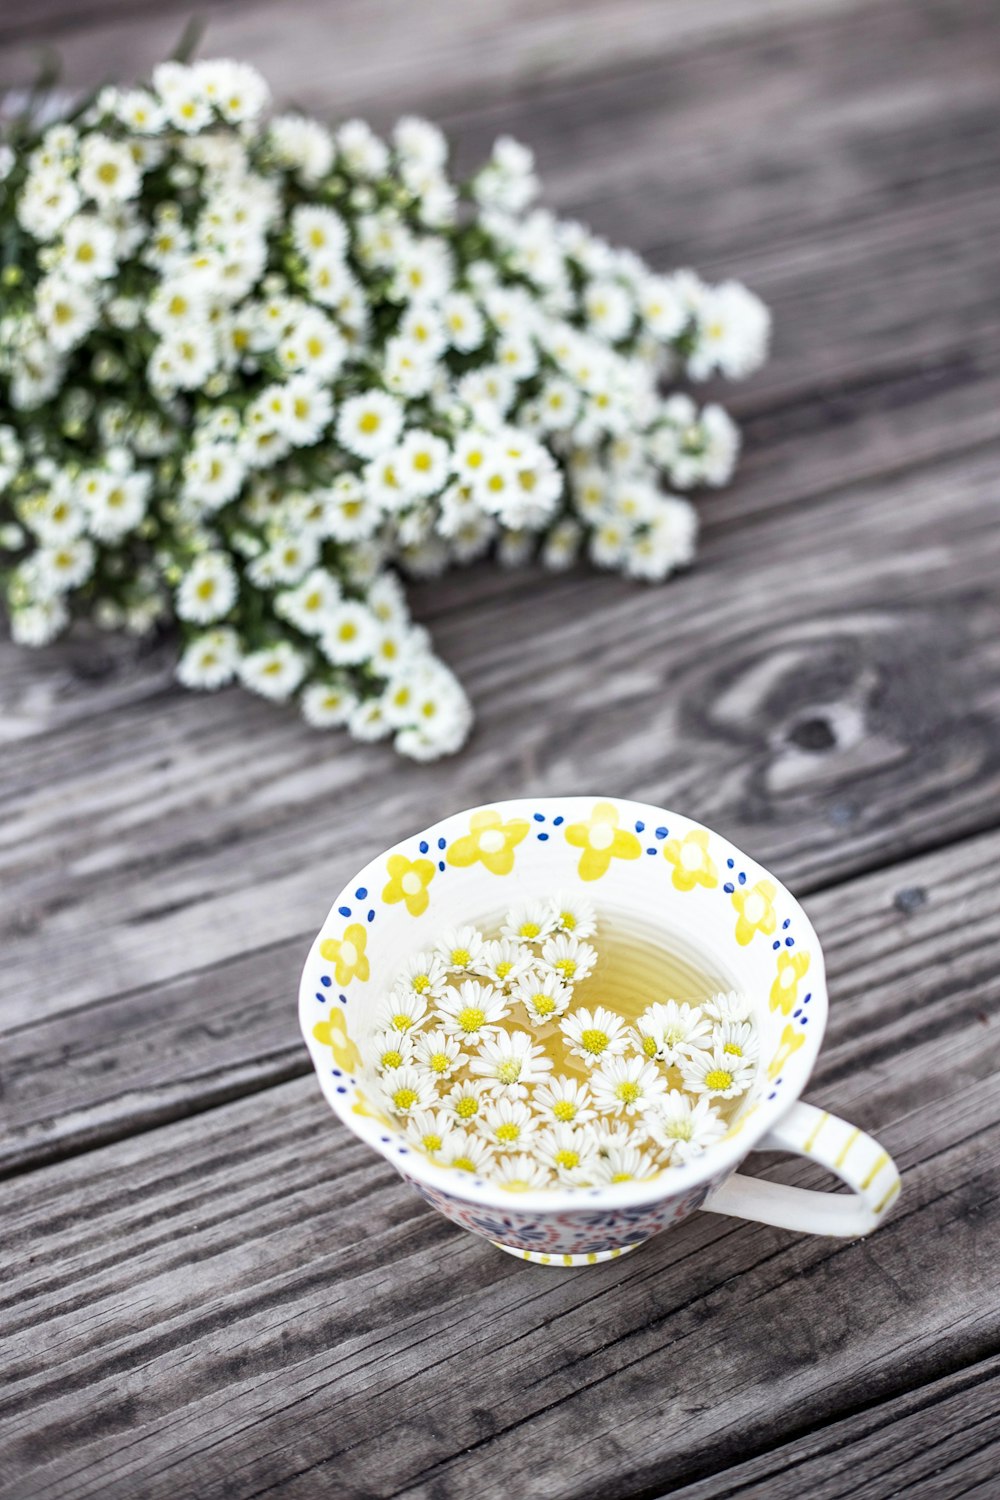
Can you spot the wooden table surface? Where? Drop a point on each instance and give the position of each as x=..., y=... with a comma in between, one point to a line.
x=211, y=1289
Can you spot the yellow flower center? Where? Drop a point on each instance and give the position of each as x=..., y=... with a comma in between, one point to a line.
x=467, y=1107
x=734, y=1048
x=411, y=883
x=649, y=1046
x=528, y=930
x=507, y=1133
x=108, y=171
x=567, y=1158
x=564, y=1111
x=464, y=1164
x=438, y=1062
x=491, y=841
x=404, y=1098
x=567, y=921
x=543, y=1005
x=460, y=957
x=392, y=1059
x=401, y=1022
x=509, y=1071
x=206, y=588
x=421, y=982
x=566, y=967
x=431, y=1143
x=594, y=1041
x=628, y=1092
x=504, y=968
x=422, y=461
x=370, y=422
x=471, y=1017
x=719, y=1078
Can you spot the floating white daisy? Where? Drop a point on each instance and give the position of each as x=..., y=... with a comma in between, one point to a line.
x=520, y=1173
x=460, y=949
x=430, y=1130
x=407, y=1089
x=465, y=1100
x=626, y=1085
x=737, y=1039
x=423, y=974
x=508, y=1124
x=684, y=1127
x=728, y=1006
x=544, y=996
x=391, y=1049
x=509, y=1061
x=438, y=1053
x=668, y=1030
x=718, y=1074
x=472, y=1010
x=467, y=1152
x=563, y=1101
x=529, y=922
x=569, y=1152
x=402, y=1011
x=504, y=962
x=568, y=957
x=624, y=1164
x=575, y=916
x=593, y=1035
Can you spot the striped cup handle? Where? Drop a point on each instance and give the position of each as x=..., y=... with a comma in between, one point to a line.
x=857, y=1159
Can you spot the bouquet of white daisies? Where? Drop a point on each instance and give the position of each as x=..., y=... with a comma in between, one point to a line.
x=252, y=369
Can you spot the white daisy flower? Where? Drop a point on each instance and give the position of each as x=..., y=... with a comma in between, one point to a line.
x=210, y=660
x=728, y=1006
x=594, y=1035
x=88, y=249
x=737, y=1039
x=504, y=962
x=439, y=1053
x=569, y=1152
x=407, y=1090
x=422, y=462
x=38, y=623
x=563, y=1101
x=318, y=231
x=574, y=915
x=683, y=1127
x=626, y=1085
x=303, y=145
x=66, y=311
x=424, y=974
x=404, y=1009
x=544, y=996
x=569, y=957
x=108, y=173
x=350, y=634
x=467, y=1152
x=509, y=1061
x=718, y=1074
x=208, y=589
x=670, y=1030
x=465, y=1100
x=615, y=1134
x=274, y=672
x=507, y=1123
x=520, y=1174
x=471, y=1010
x=391, y=1049
x=529, y=922
x=368, y=721
x=310, y=606
x=464, y=325
x=116, y=505
x=624, y=1164
x=460, y=948
x=327, y=705
x=732, y=332
x=430, y=1130
x=370, y=424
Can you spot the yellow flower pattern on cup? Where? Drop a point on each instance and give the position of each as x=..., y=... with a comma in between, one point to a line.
x=408, y=882
x=489, y=840
x=791, y=1041
x=693, y=865
x=332, y=1033
x=347, y=954
x=601, y=840
x=785, y=989
x=755, y=905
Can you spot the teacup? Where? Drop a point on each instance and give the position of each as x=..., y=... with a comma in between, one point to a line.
x=635, y=863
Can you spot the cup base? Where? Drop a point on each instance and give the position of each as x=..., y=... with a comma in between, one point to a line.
x=541, y=1258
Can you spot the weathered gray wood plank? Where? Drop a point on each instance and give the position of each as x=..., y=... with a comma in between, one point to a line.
x=938, y=1442
x=247, y=1301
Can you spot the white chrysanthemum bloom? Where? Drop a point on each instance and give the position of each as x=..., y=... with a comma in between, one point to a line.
x=574, y=915
x=471, y=1010
x=568, y=956
x=520, y=1174
x=38, y=623
x=507, y=1123
x=313, y=346
x=421, y=324
x=544, y=996
x=65, y=565
x=139, y=112
x=509, y=1062
x=117, y=504
x=439, y=1053
x=467, y=1152
x=505, y=963
x=594, y=1035
x=368, y=721
x=213, y=474
x=465, y=1100
x=570, y=1152
x=210, y=660
x=668, y=1030
x=423, y=974
x=624, y=1163
x=350, y=634
x=562, y=545
x=683, y=1127
x=208, y=589
x=390, y=1049
x=49, y=198
x=609, y=542
x=274, y=672
x=737, y=1039
x=311, y=605
x=563, y=1101
x=184, y=360
x=318, y=231
x=732, y=332
x=66, y=311
x=719, y=1074
x=529, y=922
x=408, y=369
x=420, y=142
x=369, y=425
x=460, y=948
x=302, y=145
x=88, y=249
x=662, y=308
x=430, y=1130
x=626, y=1085
x=328, y=705
x=609, y=310
x=108, y=172
x=422, y=462
x=463, y=323
x=360, y=150
x=407, y=1090
x=731, y=1005
x=403, y=1010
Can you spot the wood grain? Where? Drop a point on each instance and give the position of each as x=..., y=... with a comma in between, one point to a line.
x=248, y=1301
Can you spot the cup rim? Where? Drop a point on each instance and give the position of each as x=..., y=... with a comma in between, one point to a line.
x=712, y=1166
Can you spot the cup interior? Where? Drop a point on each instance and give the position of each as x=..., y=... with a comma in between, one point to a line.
x=648, y=872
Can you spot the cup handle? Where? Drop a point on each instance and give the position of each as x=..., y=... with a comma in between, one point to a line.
x=842, y=1149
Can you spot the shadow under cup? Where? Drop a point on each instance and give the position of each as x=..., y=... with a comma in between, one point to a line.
x=655, y=878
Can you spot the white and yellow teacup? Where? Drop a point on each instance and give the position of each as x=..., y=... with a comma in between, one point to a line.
x=640, y=865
